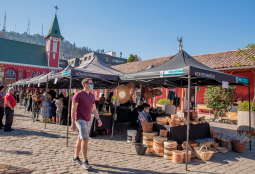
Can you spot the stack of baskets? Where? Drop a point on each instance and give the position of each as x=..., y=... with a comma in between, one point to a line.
x=148, y=140
x=162, y=120
x=169, y=147
x=158, y=145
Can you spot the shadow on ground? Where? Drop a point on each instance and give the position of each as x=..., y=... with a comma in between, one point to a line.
x=5, y=169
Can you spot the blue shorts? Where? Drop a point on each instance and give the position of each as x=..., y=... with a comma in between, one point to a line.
x=83, y=128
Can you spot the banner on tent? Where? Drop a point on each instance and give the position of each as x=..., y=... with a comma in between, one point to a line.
x=171, y=72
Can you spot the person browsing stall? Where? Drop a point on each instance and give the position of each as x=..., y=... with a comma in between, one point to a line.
x=145, y=113
x=83, y=103
x=9, y=103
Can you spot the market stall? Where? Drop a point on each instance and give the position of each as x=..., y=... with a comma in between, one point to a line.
x=183, y=71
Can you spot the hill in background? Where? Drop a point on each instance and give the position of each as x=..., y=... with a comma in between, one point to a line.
x=68, y=49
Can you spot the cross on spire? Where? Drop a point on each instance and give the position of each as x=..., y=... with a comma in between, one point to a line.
x=56, y=7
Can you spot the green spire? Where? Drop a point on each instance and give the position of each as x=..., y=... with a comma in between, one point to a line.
x=54, y=29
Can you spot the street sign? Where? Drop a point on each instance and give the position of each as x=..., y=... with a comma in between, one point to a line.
x=243, y=80
x=65, y=73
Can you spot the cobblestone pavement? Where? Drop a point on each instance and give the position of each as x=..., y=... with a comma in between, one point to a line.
x=32, y=149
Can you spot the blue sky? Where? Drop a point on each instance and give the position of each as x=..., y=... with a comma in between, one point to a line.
x=148, y=28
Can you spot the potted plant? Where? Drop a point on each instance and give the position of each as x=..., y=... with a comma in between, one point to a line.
x=219, y=99
x=166, y=105
x=243, y=114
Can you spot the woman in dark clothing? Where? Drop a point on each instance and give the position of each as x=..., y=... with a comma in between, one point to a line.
x=53, y=108
x=65, y=112
x=29, y=104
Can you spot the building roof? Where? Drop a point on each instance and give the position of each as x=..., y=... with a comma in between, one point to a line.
x=226, y=59
x=21, y=52
x=54, y=29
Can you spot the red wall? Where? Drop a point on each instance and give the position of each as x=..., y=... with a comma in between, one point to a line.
x=242, y=91
x=27, y=71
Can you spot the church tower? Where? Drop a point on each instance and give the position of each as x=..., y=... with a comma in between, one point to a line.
x=53, y=38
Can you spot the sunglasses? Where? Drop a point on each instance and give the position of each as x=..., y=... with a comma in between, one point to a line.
x=90, y=83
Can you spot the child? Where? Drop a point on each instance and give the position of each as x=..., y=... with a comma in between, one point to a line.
x=59, y=105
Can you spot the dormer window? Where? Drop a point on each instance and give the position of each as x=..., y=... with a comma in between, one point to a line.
x=85, y=58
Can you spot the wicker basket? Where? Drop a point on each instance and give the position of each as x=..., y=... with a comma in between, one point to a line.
x=148, y=94
x=203, y=154
x=156, y=92
x=214, y=145
x=169, y=147
x=162, y=120
x=181, y=123
x=171, y=122
x=212, y=130
x=177, y=156
x=158, y=145
x=224, y=143
x=237, y=147
x=184, y=155
x=131, y=85
x=184, y=144
x=147, y=127
x=163, y=133
x=222, y=149
x=174, y=116
x=214, y=150
x=148, y=140
x=177, y=122
x=123, y=94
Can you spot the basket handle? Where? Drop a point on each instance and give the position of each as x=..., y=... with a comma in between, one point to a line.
x=202, y=147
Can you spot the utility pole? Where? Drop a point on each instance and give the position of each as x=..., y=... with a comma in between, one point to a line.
x=4, y=28
x=28, y=27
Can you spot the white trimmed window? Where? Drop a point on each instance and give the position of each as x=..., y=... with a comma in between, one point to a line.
x=10, y=73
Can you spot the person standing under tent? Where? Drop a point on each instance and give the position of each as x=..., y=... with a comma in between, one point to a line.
x=9, y=103
x=2, y=96
x=36, y=106
x=47, y=113
x=59, y=106
x=82, y=104
x=192, y=101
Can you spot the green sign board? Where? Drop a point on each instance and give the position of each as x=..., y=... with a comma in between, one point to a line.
x=242, y=80
x=66, y=73
x=173, y=72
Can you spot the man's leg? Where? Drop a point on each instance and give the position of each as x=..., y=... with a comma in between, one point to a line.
x=84, y=148
x=8, y=119
x=78, y=147
x=1, y=116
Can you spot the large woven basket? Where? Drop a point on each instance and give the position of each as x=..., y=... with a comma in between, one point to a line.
x=147, y=127
x=162, y=120
x=177, y=122
x=158, y=145
x=156, y=92
x=169, y=147
x=148, y=140
x=184, y=155
x=237, y=147
x=148, y=94
x=202, y=153
x=177, y=156
x=224, y=142
x=174, y=116
x=131, y=85
x=123, y=94
x=163, y=133
x=214, y=145
x=184, y=144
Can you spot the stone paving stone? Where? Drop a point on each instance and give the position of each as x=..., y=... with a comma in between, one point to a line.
x=31, y=147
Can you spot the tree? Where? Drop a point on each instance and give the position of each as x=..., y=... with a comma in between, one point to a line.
x=131, y=58
x=219, y=99
x=244, y=52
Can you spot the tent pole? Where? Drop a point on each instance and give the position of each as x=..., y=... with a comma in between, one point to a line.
x=250, y=111
x=46, y=98
x=176, y=101
x=114, y=112
x=69, y=104
x=25, y=99
x=32, y=100
x=188, y=119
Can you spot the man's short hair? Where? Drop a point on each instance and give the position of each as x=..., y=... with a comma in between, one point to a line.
x=11, y=89
x=146, y=105
x=1, y=87
x=85, y=81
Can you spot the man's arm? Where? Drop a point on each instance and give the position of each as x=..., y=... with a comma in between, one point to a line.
x=74, y=107
x=9, y=105
x=94, y=109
